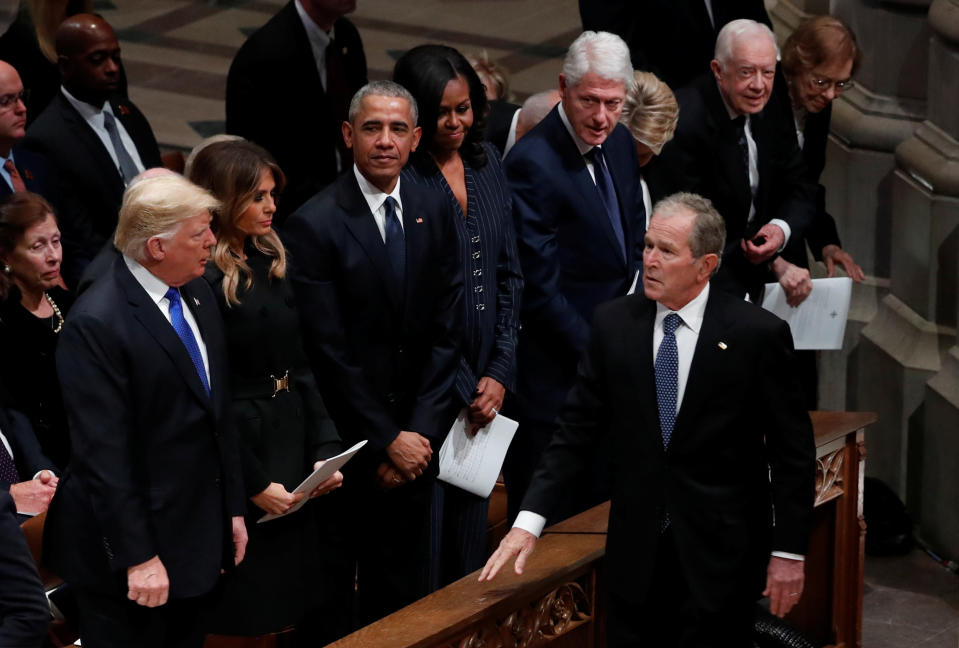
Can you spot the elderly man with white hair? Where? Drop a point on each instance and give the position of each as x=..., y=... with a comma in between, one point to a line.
x=579, y=222
x=742, y=156
x=150, y=510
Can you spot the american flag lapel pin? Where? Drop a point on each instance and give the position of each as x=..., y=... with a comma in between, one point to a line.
x=419, y=220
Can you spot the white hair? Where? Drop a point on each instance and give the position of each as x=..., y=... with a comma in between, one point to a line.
x=601, y=53
x=735, y=30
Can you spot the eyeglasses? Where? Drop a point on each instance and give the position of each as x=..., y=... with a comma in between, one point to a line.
x=8, y=101
x=825, y=84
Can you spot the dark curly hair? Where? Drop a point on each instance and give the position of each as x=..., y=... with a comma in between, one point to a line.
x=424, y=71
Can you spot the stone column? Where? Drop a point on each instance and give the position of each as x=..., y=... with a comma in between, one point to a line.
x=904, y=367
x=869, y=121
x=787, y=14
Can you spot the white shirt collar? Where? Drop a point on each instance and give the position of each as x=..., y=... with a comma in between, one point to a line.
x=582, y=146
x=691, y=314
x=313, y=31
x=86, y=110
x=155, y=287
x=374, y=197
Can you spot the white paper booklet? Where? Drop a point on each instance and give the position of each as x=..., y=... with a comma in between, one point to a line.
x=316, y=478
x=820, y=321
x=473, y=462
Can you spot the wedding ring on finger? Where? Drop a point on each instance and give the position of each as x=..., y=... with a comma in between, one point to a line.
x=494, y=411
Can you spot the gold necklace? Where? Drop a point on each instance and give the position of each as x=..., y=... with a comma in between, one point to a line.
x=56, y=311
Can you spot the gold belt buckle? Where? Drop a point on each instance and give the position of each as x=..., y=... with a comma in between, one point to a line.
x=280, y=384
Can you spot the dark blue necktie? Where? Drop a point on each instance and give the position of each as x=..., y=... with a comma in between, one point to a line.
x=8, y=468
x=667, y=377
x=395, y=242
x=607, y=191
x=186, y=335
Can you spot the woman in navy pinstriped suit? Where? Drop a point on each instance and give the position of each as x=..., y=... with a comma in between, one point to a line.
x=453, y=159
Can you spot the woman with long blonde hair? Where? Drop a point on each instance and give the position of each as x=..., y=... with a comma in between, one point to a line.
x=284, y=429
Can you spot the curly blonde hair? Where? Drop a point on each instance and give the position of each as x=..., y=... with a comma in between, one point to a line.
x=231, y=172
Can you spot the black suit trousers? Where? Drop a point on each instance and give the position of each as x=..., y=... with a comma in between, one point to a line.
x=112, y=621
x=670, y=616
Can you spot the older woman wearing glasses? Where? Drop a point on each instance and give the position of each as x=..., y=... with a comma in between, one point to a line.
x=819, y=60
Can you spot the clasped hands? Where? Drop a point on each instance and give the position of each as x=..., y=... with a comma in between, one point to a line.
x=409, y=454
x=33, y=496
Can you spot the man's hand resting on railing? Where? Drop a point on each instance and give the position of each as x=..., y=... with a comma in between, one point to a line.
x=517, y=543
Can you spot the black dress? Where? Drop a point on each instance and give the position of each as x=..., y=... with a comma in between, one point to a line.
x=28, y=371
x=281, y=436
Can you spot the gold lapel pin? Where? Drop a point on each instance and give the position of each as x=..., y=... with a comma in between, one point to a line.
x=722, y=345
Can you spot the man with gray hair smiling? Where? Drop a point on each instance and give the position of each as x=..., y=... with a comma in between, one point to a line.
x=150, y=510
x=696, y=394
x=729, y=148
x=579, y=222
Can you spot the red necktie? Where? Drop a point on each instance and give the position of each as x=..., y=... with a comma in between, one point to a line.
x=15, y=178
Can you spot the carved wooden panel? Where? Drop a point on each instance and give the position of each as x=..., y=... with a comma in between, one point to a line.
x=829, y=477
x=558, y=613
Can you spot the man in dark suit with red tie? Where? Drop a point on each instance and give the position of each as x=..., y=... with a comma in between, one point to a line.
x=380, y=287
x=696, y=392
x=289, y=88
x=150, y=510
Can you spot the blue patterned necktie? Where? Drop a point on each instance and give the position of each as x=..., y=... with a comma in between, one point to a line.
x=607, y=191
x=128, y=168
x=395, y=242
x=186, y=335
x=8, y=468
x=667, y=377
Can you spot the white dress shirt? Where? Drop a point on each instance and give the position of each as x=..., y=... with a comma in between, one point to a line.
x=156, y=288
x=319, y=40
x=376, y=199
x=754, y=174
x=511, y=136
x=687, y=335
x=94, y=117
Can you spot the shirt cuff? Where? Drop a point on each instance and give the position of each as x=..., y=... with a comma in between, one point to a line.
x=782, y=554
x=787, y=231
x=49, y=470
x=531, y=522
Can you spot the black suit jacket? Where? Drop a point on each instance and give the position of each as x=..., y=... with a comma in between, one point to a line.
x=569, y=255
x=705, y=157
x=498, y=122
x=24, y=613
x=85, y=167
x=274, y=97
x=155, y=469
x=27, y=454
x=741, y=416
x=822, y=229
x=384, y=363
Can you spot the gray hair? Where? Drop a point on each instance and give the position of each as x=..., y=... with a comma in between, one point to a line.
x=708, y=234
x=383, y=89
x=601, y=53
x=733, y=31
x=157, y=207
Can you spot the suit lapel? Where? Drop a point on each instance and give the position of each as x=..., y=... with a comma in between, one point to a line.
x=360, y=222
x=707, y=360
x=585, y=187
x=203, y=313
x=415, y=233
x=148, y=314
x=639, y=349
x=93, y=149
x=625, y=208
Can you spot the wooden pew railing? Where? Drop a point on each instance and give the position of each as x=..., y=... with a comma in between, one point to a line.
x=558, y=600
